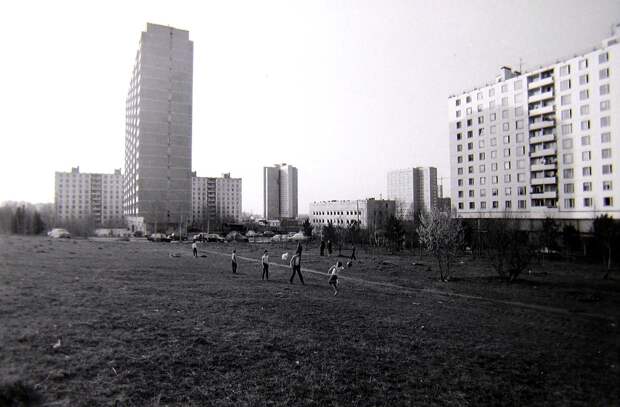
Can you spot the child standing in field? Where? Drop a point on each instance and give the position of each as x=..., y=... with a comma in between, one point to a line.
x=265, y=261
x=195, y=249
x=296, y=266
x=234, y=261
x=333, y=276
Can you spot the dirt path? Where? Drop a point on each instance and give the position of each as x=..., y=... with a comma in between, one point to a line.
x=553, y=310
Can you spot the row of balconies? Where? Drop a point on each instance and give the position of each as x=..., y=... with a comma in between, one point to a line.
x=539, y=96
x=538, y=82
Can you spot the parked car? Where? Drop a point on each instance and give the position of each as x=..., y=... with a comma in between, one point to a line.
x=200, y=237
x=280, y=238
x=299, y=236
x=236, y=236
x=176, y=237
x=59, y=233
x=268, y=233
x=158, y=237
x=214, y=237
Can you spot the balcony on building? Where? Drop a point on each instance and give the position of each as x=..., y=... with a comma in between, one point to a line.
x=543, y=166
x=540, y=137
x=541, y=124
x=543, y=181
x=542, y=110
x=544, y=195
x=540, y=96
x=539, y=81
x=543, y=152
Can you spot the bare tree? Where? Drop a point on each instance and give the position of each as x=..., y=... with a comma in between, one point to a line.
x=508, y=249
x=442, y=235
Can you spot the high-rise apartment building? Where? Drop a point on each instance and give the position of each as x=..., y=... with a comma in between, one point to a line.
x=413, y=189
x=214, y=200
x=96, y=198
x=158, y=135
x=541, y=143
x=280, y=192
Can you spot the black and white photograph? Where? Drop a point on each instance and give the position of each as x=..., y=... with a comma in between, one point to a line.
x=310, y=203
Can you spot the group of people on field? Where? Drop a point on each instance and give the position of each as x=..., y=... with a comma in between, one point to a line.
x=295, y=263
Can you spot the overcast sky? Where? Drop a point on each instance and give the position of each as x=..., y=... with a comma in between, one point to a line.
x=344, y=90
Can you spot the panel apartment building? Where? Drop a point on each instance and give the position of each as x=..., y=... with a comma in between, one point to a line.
x=215, y=199
x=280, y=192
x=158, y=135
x=413, y=189
x=541, y=143
x=96, y=198
x=364, y=212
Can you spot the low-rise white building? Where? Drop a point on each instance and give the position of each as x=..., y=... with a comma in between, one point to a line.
x=363, y=212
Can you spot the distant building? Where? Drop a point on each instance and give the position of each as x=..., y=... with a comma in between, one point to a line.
x=280, y=192
x=215, y=199
x=540, y=144
x=96, y=198
x=364, y=212
x=158, y=132
x=444, y=204
x=413, y=189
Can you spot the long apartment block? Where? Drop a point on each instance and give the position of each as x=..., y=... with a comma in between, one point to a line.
x=96, y=198
x=540, y=143
x=215, y=200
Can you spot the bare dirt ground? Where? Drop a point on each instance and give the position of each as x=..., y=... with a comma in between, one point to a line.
x=123, y=323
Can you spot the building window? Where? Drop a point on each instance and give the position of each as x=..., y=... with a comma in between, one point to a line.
x=607, y=169
x=567, y=158
x=567, y=129
x=569, y=203
x=564, y=70
x=587, y=202
x=481, y=120
x=586, y=156
x=585, y=124
x=505, y=126
x=519, y=124
x=519, y=111
x=608, y=201
x=565, y=84
x=491, y=92
x=603, y=73
x=569, y=188
x=504, y=88
x=586, y=171
x=603, y=57
x=508, y=204
x=567, y=143
x=566, y=114
x=604, y=105
x=507, y=178
x=587, y=186
x=483, y=205
x=583, y=79
x=504, y=114
x=606, y=137
x=504, y=101
x=606, y=153
x=583, y=64
x=585, y=140
x=483, y=180
x=605, y=121
x=458, y=113
x=479, y=96
x=458, y=102
x=460, y=205
x=584, y=94
x=604, y=89
x=607, y=185
x=584, y=110
x=565, y=100
x=568, y=173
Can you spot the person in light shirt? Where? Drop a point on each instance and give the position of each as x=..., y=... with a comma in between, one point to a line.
x=333, y=276
x=265, y=261
x=234, y=261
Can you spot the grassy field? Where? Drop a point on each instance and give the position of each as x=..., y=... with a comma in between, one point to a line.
x=124, y=323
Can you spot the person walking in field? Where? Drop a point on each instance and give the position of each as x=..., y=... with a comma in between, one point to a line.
x=329, y=247
x=265, y=261
x=333, y=276
x=322, y=248
x=234, y=261
x=195, y=249
x=296, y=266
x=353, y=254
x=299, y=248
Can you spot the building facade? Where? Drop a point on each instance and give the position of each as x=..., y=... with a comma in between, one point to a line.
x=95, y=198
x=280, y=192
x=158, y=135
x=363, y=212
x=215, y=200
x=540, y=144
x=413, y=189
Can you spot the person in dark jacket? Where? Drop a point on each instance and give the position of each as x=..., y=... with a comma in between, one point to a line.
x=322, y=247
x=329, y=247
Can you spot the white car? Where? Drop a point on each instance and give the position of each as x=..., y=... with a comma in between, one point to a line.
x=59, y=233
x=299, y=236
